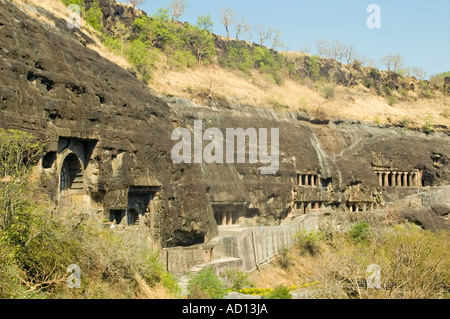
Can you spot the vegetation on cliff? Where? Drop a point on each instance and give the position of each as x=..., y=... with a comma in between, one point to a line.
x=38, y=240
x=181, y=59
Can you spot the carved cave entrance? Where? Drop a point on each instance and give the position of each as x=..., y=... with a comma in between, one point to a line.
x=139, y=211
x=71, y=177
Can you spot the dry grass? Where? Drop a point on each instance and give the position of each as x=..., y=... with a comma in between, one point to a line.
x=59, y=10
x=255, y=90
x=298, y=271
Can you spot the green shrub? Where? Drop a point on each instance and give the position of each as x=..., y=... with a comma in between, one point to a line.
x=377, y=120
x=428, y=126
x=80, y=3
x=328, y=91
x=308, y=241
x=392, y=99
x=281, y=292
x=405, y=122
x=182, y=60
x=314, y=67
x=94, y=16
x=368, y=82
x=360, y=232
x=237, y=280
x=206, y=284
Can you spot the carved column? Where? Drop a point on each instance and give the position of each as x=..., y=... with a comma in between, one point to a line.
x=380, y=178
x=224, y=218
x=394, y=179
x=405, y=179
x=312, y=180
x=399, y=179
x=386, y=179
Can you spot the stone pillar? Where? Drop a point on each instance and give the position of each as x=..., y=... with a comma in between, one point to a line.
x=230, y=218
x=380, y=178
x=399, y=179
x=394, y=179
x=318, y=180
x=316, y=206
x=300, y=180
x=405, y=179
x=313, y=177
x=364, y=207
x=351, y=208
x=306, y=183
x=410, y=179
x=224, y=218
x=386, y=179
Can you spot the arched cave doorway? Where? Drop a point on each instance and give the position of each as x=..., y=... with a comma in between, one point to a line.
x=133, y=217
x=71, y=178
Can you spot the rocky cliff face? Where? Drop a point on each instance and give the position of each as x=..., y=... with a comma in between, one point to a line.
x=54, y=87
x=79, y=103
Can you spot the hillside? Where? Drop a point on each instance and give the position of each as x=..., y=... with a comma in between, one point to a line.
x=239, y=72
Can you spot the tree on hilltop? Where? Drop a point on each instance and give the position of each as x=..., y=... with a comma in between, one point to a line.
x=177, y=8
x=227, y=19
x=135, y=3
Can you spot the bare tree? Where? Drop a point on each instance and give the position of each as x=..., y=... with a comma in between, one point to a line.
x=336, y=50
x=227, y=18
x=135, y=3
x=263, y=33
x=177, y=8
x=419, y=73
x=242, y=27
x=350, y=53
x=275, y=38
x=393, y=62
x=306, y=49
x=323, y=48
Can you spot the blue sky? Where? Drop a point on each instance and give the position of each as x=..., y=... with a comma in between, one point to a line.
x=417, y=29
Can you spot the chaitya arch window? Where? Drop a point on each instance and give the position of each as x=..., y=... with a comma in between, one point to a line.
x=65, y=179
x=71, y=180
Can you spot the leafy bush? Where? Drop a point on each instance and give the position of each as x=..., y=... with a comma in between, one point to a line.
x=392, y=99
x=377, y=120
x=368, y=82
x=182, y=60
x=428, y=126
x=237, y=280
x=80, y=3
x=314, y=67
x=328, y=91
x=94, y=16
x=360, y=232
x=206, y=284
x=281, y=292
x=308, y=241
